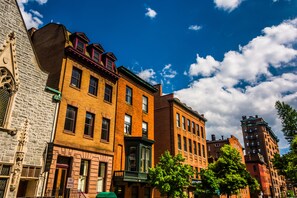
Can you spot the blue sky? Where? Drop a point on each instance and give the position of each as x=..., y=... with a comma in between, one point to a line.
x=224, y=58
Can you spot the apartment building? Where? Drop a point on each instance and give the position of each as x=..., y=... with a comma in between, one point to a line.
x=260, y=140
x=134, y=136
x=180, y=130
x=81, y=157
x=26, y=109
x=213, y=150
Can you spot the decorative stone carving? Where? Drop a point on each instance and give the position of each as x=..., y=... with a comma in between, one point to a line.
x=19, y=157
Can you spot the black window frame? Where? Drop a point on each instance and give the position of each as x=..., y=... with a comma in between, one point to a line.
x=129, y=94
x=127, y=125
x=89, y=125
x=76, y=80
x=108, y=93
x=145, y=104
x=105, y=129
x=93, y=86
x=71, y=109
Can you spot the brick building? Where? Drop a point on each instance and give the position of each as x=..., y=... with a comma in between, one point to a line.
x=82, y=153
x=180, y=130
x=260, y=140
x=134, y=136
x=213, y=150
x=26, y=109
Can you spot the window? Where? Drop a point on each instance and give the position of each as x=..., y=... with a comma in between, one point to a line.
x=144, y=104
x=134, y=192
x=89, y=124
x=108, y=93
x=96, y=56
x=70, y=119
x=190, y=145
x=199, y=149
x=144, y=129
x=217, y=145
x=184, y=122
x=197, y=128
x=132, y=159
x=189, y=125
x=202, y=132
x=128, y=95
x=83, y=176
x=255, y=168
x=195, y=148
x=177, y=120
x=109, y=64
x=147, y=192
x=7, y=88
x=193, y=128
x=76, y=77
x=127, y=125
x=101, y=177
x=179, y=142
x=145, y=159
x=196, y=172
x=93, y=87
x=4, y=176
x=80, y=46
x=105, y=129
x=203, y=150
x=185, y=144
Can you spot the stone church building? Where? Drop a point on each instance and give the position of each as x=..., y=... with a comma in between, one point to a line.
x=27, y=109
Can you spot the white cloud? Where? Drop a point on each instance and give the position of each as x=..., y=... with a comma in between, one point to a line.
x=148, y=75
x=36, y=13
x=151, y=13
x=168, y=73
x=32, y=18
x=227, y=5
x=194, y=27
x=204, y=66
x=241, y=84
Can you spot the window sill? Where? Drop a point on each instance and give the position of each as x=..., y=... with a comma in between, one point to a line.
x=74, y=87
x=104, y=141
x=69, y=132
x=92, y=95
x=88, y=137
x=11, y=132
x=108, y=102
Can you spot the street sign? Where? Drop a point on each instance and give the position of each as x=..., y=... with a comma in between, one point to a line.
x=70, y=182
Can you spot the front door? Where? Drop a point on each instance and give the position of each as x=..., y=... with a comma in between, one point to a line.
x=59, y=189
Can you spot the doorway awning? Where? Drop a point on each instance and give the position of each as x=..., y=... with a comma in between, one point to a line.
x=106, y=195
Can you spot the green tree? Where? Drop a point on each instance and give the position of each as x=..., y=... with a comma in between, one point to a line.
x=288, y=116
x=171, y=175
x=228, y=174
x=287, y=163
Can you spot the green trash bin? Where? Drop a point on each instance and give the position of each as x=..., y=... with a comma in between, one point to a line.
x=106, y=195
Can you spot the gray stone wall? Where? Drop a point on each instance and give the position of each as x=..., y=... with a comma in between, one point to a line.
x=31, y=101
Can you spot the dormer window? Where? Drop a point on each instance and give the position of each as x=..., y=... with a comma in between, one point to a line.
x=96, y=56
x=109, y=64
x=80, y=46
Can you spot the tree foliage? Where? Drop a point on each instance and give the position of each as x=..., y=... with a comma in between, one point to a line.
x=288, y=117
x=170, y=175
x=228, y=174
x=287, y=163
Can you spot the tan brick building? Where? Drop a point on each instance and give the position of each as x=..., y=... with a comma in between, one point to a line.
x=179, y=129
x=134, y=136
x=259, y=139
x=81, y=159
x=213, y=149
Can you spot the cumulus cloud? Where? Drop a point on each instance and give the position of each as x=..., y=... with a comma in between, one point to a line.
x=168, y=73
x=32, y=18
x=148, y=75
x=194, y=27
x=242, y=84
x=150, y=13
x=227, y=5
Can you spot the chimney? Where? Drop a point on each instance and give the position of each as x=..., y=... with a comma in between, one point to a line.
x=243, y=117
x=256, y=116
x=222, y=137
x=213, y=137
x=159, y=87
